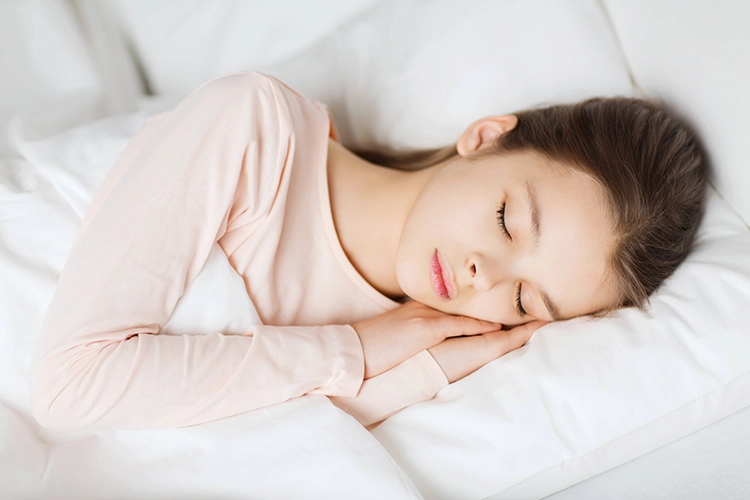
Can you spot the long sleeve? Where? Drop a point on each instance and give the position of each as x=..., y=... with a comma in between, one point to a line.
x=415, y=380
x=186, y=178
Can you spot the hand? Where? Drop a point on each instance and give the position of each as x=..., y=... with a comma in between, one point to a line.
x=461, y=356
x=391, y=338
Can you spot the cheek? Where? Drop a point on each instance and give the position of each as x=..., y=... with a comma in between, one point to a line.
x=492, y=311
x=495, y=307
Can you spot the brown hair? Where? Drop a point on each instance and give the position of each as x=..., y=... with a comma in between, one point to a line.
x=649, y=162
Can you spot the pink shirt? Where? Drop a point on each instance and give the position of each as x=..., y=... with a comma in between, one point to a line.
x=240, y=161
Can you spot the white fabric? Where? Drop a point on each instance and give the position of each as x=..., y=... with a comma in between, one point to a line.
x=120, y=81
x=694, y=55
x=413, y=74
x=582, y=397
x=183, y=44
x=710, y=463
x=48, y=80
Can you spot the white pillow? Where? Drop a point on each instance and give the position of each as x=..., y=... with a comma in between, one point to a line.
x=183, y=44
x=402, y=72
x=695, y=56
x=415, y=74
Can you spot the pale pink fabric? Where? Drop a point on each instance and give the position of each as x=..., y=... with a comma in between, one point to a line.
x=242, y=161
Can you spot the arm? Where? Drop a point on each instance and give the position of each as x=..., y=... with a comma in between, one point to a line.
x=100, y=361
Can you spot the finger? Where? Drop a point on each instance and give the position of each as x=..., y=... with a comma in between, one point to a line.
x=464, y=325
x=521, y=334
x=505, y=341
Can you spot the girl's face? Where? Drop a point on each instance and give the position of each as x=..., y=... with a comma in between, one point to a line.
x=517, y=238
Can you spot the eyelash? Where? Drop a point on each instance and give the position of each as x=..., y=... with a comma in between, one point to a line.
x=519, y=306
x=501, y=223
x=501, y=220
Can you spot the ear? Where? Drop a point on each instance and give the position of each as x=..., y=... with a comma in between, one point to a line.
x=483, y=131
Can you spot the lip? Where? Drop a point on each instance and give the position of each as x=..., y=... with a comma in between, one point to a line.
x=441, y=277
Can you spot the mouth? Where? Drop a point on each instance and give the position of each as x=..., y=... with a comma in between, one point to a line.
x=440, y=277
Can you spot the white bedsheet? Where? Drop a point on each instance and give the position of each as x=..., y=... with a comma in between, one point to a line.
x=712, y=463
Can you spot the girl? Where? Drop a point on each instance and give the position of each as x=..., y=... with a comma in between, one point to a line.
x=376, y=286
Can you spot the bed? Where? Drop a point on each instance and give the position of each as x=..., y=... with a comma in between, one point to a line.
x=646, y=404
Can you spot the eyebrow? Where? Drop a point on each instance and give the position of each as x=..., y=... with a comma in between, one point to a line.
x=534, y=215
x=537, y=234
x=551, y=307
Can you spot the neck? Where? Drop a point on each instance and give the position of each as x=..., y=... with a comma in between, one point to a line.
x=370, y=204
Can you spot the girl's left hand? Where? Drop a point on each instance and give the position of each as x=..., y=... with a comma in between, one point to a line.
x=460, y=356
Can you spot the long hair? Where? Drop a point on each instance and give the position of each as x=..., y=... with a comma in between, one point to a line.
x=651, y=164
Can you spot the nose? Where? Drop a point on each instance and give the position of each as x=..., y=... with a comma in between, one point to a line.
x=482, y=277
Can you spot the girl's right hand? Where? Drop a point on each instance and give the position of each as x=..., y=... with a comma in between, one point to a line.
x=461, y=356
x=391, y=338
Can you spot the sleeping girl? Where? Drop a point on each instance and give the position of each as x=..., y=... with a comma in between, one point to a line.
x=379, y=277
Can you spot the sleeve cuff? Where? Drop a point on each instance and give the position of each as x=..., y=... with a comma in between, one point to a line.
x=415, y=380
x=349, y=366
x=433, y=376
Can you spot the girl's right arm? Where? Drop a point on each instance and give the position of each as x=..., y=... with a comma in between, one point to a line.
x=182, y=181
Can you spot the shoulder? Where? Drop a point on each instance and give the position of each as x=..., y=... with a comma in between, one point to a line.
x=231, y=91
x=264, y=96
x=252, y=85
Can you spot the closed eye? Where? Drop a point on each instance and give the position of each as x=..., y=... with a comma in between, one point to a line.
x=519, y=307
x=501, y=220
